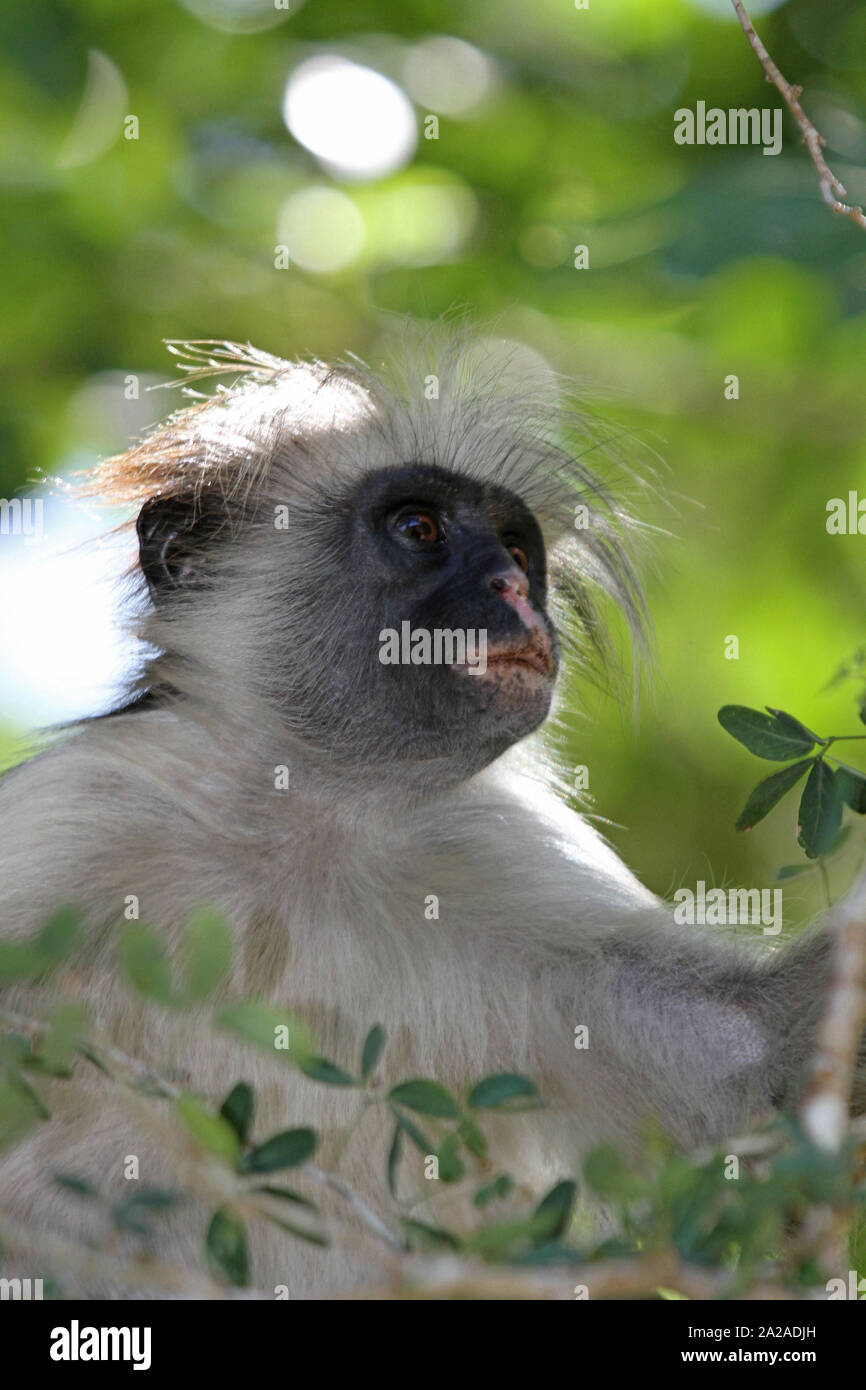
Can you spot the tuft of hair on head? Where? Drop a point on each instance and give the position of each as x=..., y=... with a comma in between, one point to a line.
x=483, y=407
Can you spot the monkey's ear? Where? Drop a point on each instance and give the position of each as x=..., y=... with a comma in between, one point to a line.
x=170, y=535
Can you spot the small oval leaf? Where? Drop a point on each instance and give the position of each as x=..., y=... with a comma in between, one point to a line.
x=764, y=734
x=427, y=1098
x=227, y=1247
x=238, y=1108
x=502, y=1089
x=320, y=1069
x=284, y=1150
x=372, y=1050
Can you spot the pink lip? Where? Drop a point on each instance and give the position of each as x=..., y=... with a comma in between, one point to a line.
x=537, y=653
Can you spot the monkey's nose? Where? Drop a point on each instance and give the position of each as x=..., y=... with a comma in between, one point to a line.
x=513, y=585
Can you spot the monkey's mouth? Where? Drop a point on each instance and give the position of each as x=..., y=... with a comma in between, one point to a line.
x=534, y=653
x=537, y=654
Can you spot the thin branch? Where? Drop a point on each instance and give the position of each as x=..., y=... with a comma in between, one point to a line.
x=364, y=1214
x=826, y=1103
x=833, y=191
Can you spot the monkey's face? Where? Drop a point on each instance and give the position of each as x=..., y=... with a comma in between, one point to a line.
x=401, y=631
x=452, y=653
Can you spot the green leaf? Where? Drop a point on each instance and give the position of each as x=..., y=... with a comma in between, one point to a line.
x=451, y=1166
x=792, y=870
x=372, y=1050
x=852, y=788
x=27, y=960
x=793, y=725
x=208, y=951
x=314, y=1237
x=320, y=1069
x=499, y=1240
x=472, y=1136
x=287, y=1195
x=134, y=1214
x=284, y=1150
x=409, y=1127
x=770, y=791
x=501, y=1090
x=227, y=1247
x=269, y=1028
x=156, y=1199
x=500, y=1187
x=15, y=1049
x=59, y=1043
x=605, y=1171
x=211, y=1131
x=424, y=1237
x=60, y=935
x=553, y=1213
x=144, y=961
x=80, y=1186
x=20, y=1109
x=427, y=1098
x=394, y=1158
x=238, y=1108
x=820, y=811
x=764, y=734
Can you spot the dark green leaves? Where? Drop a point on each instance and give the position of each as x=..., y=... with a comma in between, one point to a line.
x=427, y=1098
x=372, y=1050
x=553, y=1213
x=820, y=811
x=208, y=951
x=852, y=788
x=770, y=791
x=145, y=963
x=227, y=1249
x=504, y=1090
x=237, y=1109
x=776, y=737
x=320, y=1069
x=27, y=960
x=284, y=1150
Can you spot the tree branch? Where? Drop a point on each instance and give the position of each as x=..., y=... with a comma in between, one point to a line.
x=833, y=191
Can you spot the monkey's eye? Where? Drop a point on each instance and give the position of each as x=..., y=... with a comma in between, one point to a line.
x=417, y=527
x=519, y=557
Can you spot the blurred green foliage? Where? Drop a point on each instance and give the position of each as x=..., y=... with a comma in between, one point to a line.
x=704, y=261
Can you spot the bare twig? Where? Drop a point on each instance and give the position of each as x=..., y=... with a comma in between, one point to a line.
x=364, y=1214
x=826, y=1102
x=833, y=191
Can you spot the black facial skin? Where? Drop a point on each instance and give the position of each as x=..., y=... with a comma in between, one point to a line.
x=418, y=545
x=443, y=552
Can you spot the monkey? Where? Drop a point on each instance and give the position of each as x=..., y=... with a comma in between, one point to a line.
x=286, y=525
